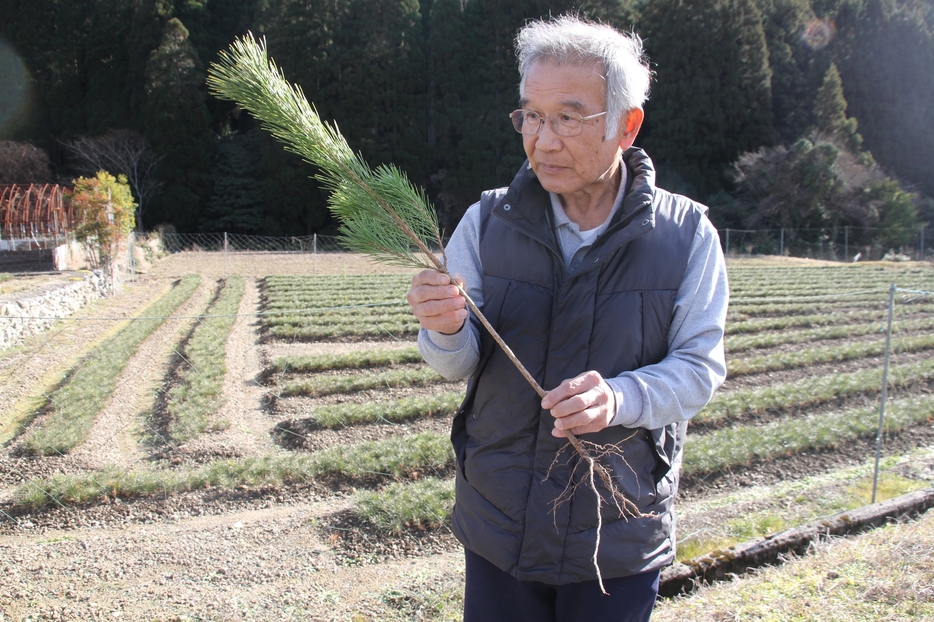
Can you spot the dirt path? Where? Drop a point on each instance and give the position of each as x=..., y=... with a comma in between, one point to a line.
x=258, y=564
x=43, y=359
x=246, y=426
x=114, y=439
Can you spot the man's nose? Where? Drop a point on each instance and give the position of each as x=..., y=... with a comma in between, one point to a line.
x=547, y=139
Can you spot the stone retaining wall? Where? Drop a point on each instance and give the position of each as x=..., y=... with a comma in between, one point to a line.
x=32, y=312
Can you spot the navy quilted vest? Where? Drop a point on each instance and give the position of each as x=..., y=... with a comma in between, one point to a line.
x=610, y=314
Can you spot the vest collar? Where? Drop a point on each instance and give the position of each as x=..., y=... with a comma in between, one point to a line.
x=527, y=206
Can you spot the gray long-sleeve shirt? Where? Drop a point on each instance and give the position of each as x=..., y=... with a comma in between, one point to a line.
x=650, y=397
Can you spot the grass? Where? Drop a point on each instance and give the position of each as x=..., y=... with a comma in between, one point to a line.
x=396, y=457
x=757, y=325
x=74, y=405
x=830, y=354
x=19, y=414
x=811, y=492
x=796, y=308
x=843, y=330
x=424, y=504
x=781, y=511
x=333, y=282
x=412, y=498
x=887, y=574
x=810, y=391
x=704, y=454
x=316, y=308
x=339, y=415
x=375, y=328
x=438, y=598
x=347, y=314
x=352, y=360
x=328, y=385
x=740, y=445
x=731, y=533
x=199, y=393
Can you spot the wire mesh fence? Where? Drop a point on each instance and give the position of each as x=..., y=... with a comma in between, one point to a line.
x=26, y=252
x=179, y=242
x=837, y=244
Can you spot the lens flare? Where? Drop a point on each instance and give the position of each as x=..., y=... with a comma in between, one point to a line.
x=818, y=33
x=13, y=88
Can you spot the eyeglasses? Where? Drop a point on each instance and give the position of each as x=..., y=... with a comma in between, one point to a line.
x=562, y=123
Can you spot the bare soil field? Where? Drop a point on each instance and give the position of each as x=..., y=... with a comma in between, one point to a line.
x=288, y=553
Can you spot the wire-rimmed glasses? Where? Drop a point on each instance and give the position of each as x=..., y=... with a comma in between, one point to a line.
x=562, y=123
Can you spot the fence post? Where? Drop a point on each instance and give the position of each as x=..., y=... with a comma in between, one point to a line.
x=885, y=382
x=131, y=259
x=314, y=253
x=922, y=242
x=781, y=242
x=225, y=254
x=727, y=253
x=846, y=243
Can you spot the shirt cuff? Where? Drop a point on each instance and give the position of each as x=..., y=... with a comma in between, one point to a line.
x=449, y=343
x=628, y=400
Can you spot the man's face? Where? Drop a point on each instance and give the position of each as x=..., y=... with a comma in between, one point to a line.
x=575, y=167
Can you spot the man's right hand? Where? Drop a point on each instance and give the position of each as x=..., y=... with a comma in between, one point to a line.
x=436, y=302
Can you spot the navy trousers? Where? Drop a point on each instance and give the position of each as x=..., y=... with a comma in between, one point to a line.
x=491, y=595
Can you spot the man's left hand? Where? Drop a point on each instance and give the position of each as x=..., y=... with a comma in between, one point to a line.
x=582, y=405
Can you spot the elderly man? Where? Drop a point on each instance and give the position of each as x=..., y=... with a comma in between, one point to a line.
x=613, y=294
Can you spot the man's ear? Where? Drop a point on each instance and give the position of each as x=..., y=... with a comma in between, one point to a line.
x=629, y=127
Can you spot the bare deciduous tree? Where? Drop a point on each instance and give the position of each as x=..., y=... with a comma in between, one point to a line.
x=23, y=163
x=123, y=152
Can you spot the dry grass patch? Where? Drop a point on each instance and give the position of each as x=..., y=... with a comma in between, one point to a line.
x=887, y=574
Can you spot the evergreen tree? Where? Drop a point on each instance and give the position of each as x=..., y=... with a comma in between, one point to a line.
x=449, y=66
x=143, y=35
x=177, y=125
x=15, y=96
x=885, y=54
x=87, y=63
x=621, y=14
x=49, y=36
x=109, y=72
x=821, y=184
x=788, y=187
x=797, y=67
x=830, y=111
x=236, y=205
x=294, y=203
x=712, y=99
x=362, y=64
x=300, y=37
x=898, y=214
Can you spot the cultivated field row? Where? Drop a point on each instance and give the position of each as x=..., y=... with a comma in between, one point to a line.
x=341, y=402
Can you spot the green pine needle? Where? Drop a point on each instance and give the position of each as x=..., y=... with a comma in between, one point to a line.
x=380, y=212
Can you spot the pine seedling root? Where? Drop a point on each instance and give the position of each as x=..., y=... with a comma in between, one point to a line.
x=588, y=456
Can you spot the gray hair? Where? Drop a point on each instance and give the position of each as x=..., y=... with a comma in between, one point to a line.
x=569, y=39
